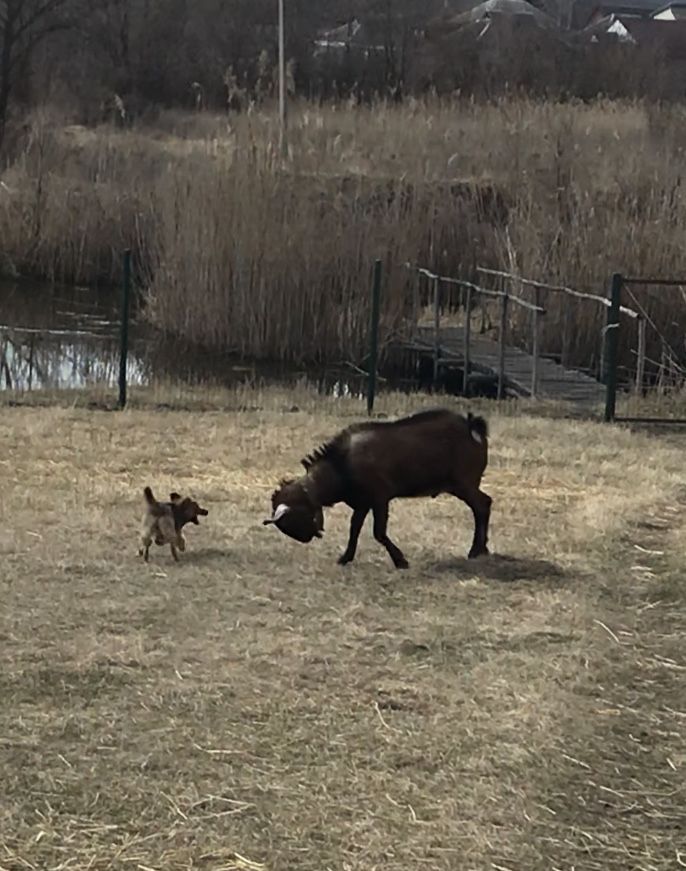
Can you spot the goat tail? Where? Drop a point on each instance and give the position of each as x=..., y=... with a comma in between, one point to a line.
x=149, y=498
x=478, y=428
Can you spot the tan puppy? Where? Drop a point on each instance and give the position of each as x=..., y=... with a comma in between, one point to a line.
x=163, y=522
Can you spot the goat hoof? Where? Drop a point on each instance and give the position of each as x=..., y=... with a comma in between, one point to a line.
x=402, y=564
x=475, y=554
x=344, y=559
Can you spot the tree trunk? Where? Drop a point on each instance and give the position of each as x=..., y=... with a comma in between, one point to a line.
x=5, y=72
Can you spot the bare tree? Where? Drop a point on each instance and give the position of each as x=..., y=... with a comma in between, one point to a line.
x=23, y=24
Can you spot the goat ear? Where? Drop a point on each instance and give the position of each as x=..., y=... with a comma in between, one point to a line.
x=174, y=497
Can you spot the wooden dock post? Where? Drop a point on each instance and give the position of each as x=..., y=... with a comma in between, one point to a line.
x=612, y=347
x=416, y=296
x=501, y=345
x=641, y=362
x=124, y=328
x=535, y=343
x=374, y=337
x=467, y=339
x=437, y=326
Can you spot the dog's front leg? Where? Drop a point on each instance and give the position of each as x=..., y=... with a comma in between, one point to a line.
x=144, y=551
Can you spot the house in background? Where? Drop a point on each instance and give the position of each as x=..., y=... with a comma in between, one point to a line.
x=657, y=48
x=350, y=37
x=671, y=12
x=667, y=37
x=641, y=9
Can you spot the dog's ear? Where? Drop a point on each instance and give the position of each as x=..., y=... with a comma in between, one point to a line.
x=174, y=497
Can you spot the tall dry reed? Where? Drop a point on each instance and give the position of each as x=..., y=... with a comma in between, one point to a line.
x=245, y=252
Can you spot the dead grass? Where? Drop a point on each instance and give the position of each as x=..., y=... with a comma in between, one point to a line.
x=259, y=704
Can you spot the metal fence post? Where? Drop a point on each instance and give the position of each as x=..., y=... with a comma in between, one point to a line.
x=416, y=295
x=612, y=347
x=467, y=340
x=124, y=336
x=31, y=352
x=501, y=342
x=374, y=337
x=437, y=326
x=534, y=366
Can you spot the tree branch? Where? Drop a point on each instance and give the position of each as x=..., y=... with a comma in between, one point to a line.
x=46, y=8
x=20, y=53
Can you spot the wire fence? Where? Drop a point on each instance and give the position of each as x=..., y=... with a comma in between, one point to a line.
x=464, y=350
x=659, y=394
x=114, y=353
x=517, y=355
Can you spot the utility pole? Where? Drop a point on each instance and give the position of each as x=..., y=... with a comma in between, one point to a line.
x=283, y=144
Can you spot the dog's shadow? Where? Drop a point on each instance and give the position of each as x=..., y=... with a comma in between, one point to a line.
x=500, y=567
x=204, y=556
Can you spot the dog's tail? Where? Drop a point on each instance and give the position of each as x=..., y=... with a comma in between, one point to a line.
x=149, y=498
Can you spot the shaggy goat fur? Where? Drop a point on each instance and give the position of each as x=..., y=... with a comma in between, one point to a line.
x=369, y=464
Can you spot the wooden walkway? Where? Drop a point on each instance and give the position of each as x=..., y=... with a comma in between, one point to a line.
x=554, y=381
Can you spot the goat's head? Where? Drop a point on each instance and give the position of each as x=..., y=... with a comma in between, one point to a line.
x=295, y=513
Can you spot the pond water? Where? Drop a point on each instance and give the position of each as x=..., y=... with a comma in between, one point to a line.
x=56, y=338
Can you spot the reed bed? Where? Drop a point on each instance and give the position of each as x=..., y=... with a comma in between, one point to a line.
x=241, y=250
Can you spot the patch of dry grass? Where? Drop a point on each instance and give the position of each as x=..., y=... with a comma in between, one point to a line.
x=259, y=704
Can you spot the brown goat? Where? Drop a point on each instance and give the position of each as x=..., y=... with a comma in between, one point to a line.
x=369, y=464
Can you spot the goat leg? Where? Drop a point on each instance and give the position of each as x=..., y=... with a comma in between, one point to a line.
x=380, y=526
x=480, y=503
x=356, y=524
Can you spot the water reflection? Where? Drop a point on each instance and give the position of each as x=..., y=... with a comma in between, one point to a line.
x=55, y=338
x=42, y=363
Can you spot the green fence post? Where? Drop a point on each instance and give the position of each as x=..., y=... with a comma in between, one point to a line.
x=374, y=337
x=124, y=335
x=612, y=347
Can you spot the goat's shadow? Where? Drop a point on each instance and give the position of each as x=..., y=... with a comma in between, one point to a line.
x=499, y=567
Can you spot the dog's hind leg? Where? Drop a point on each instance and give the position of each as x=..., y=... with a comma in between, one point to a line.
x=173, y=550
x=181, y=542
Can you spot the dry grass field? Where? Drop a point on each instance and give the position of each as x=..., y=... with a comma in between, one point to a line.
x=258, y=706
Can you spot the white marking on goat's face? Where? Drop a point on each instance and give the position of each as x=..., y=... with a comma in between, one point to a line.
x=280, y=511
x=477, y=438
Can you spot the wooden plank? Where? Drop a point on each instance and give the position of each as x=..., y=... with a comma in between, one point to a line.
x=554, y=381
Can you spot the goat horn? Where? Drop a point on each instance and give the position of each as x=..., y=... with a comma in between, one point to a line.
x=278, y=514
